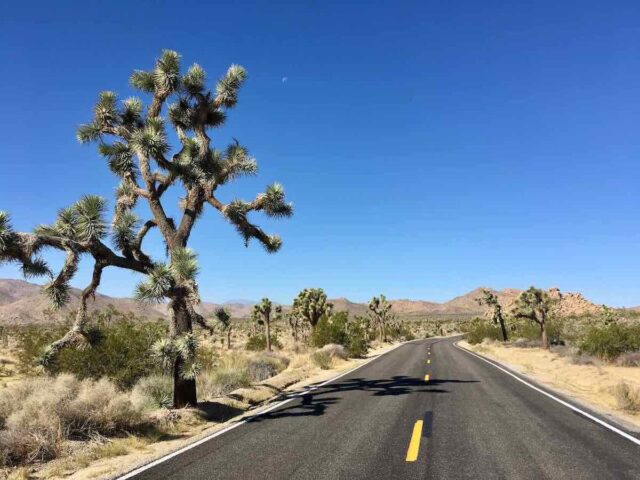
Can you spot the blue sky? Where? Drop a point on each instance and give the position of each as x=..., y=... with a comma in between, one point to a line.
x=429, y=147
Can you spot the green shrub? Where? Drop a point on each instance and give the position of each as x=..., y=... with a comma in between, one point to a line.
x=400, y=331
x=340, y=329
x=480, y=329
x=321, y=359
x=120, y=351
x=258, y=342
x=610, y=341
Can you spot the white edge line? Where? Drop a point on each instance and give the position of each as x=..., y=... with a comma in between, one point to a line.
x=553, y=397
x=169, y=456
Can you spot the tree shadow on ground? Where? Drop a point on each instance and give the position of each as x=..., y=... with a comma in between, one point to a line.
x=218, y=412
x=316, y=402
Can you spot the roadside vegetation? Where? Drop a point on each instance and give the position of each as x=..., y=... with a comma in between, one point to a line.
x=116, y=393
x=608, y=341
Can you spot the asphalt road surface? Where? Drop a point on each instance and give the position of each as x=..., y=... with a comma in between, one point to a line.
x=388, y=420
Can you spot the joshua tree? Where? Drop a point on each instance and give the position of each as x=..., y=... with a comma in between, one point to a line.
x=224, y=320
x=490, y=299
x=135, y=144
x=310, y=305
x=535, y=304
x=262, y=313
x=380, y=311
x=294, y=323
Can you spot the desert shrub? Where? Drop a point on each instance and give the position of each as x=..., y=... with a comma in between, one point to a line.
x=340, y=329
x=610, y=341
x=629, y=359
x=582, y=359
x=49, y=410
x=258, y=342
x=121, y=351
x=527, y=343
x=399, y=331
x=265, y=366
x=531, y=331
x=335, y=351
x=154, y=391
x=230, y=374
x=628, y=398
x=480, y=329
x=321, y=359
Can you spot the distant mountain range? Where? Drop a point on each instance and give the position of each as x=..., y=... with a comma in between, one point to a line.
x=22, y=303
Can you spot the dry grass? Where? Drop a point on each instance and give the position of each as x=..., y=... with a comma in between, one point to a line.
x=94, y=451
x=38, y=415
x=628, y=397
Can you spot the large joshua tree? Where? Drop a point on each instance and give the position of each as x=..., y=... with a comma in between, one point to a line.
x=535, y=305
x=490, y=299
x=133, y=140
x=310, y=305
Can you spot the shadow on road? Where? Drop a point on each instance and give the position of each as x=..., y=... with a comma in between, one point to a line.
x=316, y=403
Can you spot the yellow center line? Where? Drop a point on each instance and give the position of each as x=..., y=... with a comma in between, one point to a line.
x=429, y=361
x=414, y=444
x=426, y=377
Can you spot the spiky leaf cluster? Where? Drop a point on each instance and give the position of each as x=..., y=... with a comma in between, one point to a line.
x=228, y=86
x=184, y=264
x=223, y=317
x=57, y=292
x=311, y=304
x=274, y=203
x=8, y=237
x=123, y=234
x=157, y=285
x=167, y=350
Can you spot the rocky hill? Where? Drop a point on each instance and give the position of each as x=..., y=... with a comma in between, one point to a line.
x=22, y=303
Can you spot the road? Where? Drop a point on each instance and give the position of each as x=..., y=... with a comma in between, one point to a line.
x=386, y=420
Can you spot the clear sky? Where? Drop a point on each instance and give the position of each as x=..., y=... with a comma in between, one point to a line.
x=429, y=147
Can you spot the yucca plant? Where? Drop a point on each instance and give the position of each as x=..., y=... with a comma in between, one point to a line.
x=134, y=142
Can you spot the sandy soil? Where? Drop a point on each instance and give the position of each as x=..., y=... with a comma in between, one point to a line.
x=589, y=385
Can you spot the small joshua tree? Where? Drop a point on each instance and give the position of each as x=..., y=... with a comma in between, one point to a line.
x=535, y=305
x=262, y=313
x=294, y=323
x=380, y=312
x=224, y=320
x=490, y=299
x=135, y=144
x=310, y=305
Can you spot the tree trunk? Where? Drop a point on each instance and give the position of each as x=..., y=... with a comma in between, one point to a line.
x=268, y=323
x=545, y=337
x=228, y=339
x=184, y=390
x=504, y=330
